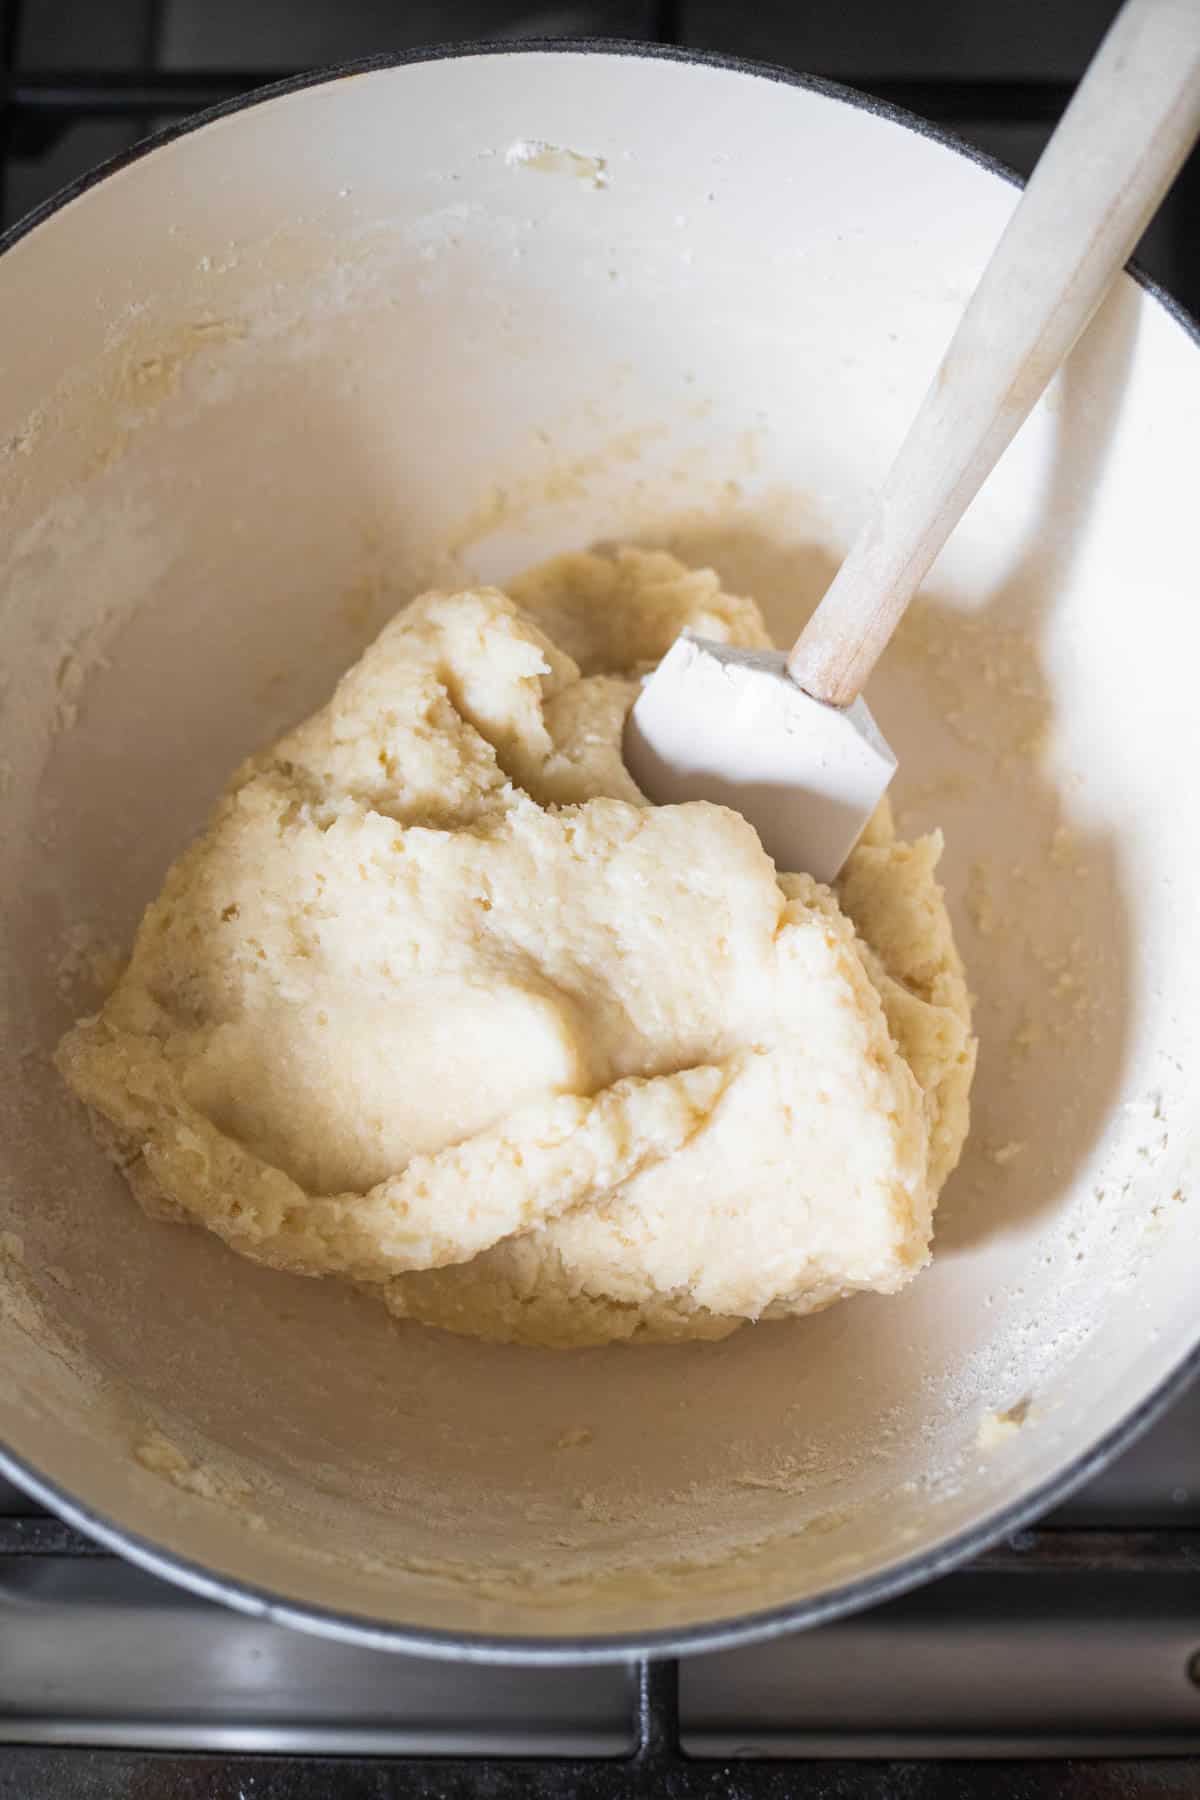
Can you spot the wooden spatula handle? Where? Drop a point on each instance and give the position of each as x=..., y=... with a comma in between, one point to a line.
x=1117, y=149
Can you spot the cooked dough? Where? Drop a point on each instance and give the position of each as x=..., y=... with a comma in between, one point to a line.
x=438, y=1003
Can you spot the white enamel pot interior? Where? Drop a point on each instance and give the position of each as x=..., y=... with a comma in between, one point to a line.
x=365, y=332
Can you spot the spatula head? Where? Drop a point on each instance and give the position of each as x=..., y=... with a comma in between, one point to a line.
x=731, y=726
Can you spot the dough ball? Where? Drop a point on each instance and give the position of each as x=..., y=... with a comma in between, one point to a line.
x=439, y=1004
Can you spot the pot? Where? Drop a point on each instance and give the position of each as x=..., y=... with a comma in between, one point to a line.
x=429, y=319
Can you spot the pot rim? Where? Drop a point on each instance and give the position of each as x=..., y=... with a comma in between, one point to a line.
x=721, y=1633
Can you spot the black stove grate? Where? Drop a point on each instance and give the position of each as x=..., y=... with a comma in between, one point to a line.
x=657, y=1767
x=37, y=109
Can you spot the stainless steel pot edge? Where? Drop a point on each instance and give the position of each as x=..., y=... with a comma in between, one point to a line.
x=722, y=1633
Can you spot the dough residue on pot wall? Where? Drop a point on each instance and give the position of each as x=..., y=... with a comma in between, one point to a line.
x=439, y=1004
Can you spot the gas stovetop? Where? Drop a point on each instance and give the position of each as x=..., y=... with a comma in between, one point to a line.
x=1065, y=1663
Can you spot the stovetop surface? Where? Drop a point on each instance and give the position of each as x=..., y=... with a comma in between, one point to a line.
x=1080, y=1635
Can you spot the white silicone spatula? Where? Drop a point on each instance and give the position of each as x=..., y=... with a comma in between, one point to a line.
x=785, y=739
